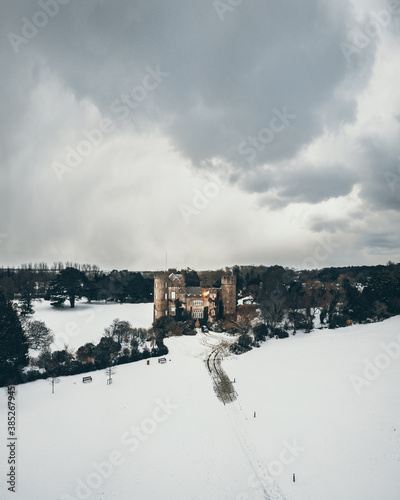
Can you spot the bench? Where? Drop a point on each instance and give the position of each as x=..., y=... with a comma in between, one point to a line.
x=162, y=360
x=86, y=380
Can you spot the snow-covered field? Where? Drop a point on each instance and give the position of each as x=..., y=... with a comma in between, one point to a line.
x=159, y=431
x=86, y=322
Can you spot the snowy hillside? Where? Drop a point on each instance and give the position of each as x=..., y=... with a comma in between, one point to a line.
x=160, y=432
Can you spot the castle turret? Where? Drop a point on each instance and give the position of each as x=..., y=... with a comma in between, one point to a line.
x=228, y=290
x=160, y=295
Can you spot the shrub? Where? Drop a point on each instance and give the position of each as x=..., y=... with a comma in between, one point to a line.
x=236, y=348
x=244, y=340
x=282, y=334
x=260, y=332
x=337, y=321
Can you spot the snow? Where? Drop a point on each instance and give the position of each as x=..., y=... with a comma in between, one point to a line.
x=245, y=300
x=302, y=390
x=165, y=435
x=86, y=322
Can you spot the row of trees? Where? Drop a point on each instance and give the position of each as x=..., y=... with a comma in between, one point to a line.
x=71, y=281
x=290, y=300
x=120, y=344
x=313, y=288
x=296, y=298
x=342, y=295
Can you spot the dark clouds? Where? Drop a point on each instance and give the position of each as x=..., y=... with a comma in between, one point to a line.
x=226, y=78
x=300, y=184
x=228, y=82
x=380, y=173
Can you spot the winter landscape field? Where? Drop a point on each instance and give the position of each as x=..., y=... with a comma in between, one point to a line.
x=324, y=406
x=200, y=250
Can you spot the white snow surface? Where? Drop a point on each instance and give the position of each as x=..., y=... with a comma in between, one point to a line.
x=86, y=321
x=159, y=431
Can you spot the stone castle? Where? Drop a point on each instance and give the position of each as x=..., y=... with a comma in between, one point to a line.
x=172, y=297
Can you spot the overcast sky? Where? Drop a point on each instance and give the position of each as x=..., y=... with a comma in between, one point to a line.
x=217, y=132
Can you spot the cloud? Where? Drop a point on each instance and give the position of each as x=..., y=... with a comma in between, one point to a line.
x=226, y=78
x=307, y=184
x=266, y=97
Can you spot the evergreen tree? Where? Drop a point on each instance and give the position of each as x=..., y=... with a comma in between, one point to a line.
x=25, y=306
x=244, y=340
x=26, y=280
x=386, y=289
x=69, y=284
x=13, y=344
x=191, y=278
x=104, y=351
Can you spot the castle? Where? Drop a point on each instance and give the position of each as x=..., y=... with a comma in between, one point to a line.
x=172, y=297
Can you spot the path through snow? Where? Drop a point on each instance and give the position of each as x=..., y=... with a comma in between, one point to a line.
x=262, y=483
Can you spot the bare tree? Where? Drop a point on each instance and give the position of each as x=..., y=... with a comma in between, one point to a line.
x=273, y=308
x=39, y=336
x=118, y=330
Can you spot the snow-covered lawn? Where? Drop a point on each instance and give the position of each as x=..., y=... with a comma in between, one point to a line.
x=159, y=431
x=86, y=322
x=336, y=394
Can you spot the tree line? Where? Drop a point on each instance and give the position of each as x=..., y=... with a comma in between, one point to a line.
x=292, y=298
x=283, y=300
x=33, y=281
x=287, y=299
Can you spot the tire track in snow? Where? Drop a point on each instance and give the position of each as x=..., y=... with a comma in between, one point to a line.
x=223, y=387
x=267, y=488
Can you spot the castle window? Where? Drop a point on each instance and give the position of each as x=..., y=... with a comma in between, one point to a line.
x=173, y=311
x=166, y=296
x=156, y=296
x=156, y=284
x=197, y=314
x=166, y=284
x=166, y=313
x=172, y=295
x=155, y=313
x=197, y=303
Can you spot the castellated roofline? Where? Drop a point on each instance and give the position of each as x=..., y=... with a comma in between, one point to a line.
x=172, y=297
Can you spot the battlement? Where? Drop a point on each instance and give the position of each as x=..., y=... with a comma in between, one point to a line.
x=228, y=279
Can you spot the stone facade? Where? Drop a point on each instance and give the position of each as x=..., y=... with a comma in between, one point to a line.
x=172, y=297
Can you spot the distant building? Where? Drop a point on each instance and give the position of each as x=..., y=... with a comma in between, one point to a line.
x=172, y=297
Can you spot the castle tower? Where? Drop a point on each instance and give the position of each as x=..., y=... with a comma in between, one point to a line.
x=160, y=295
x=228, y=289
x=169, y=290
